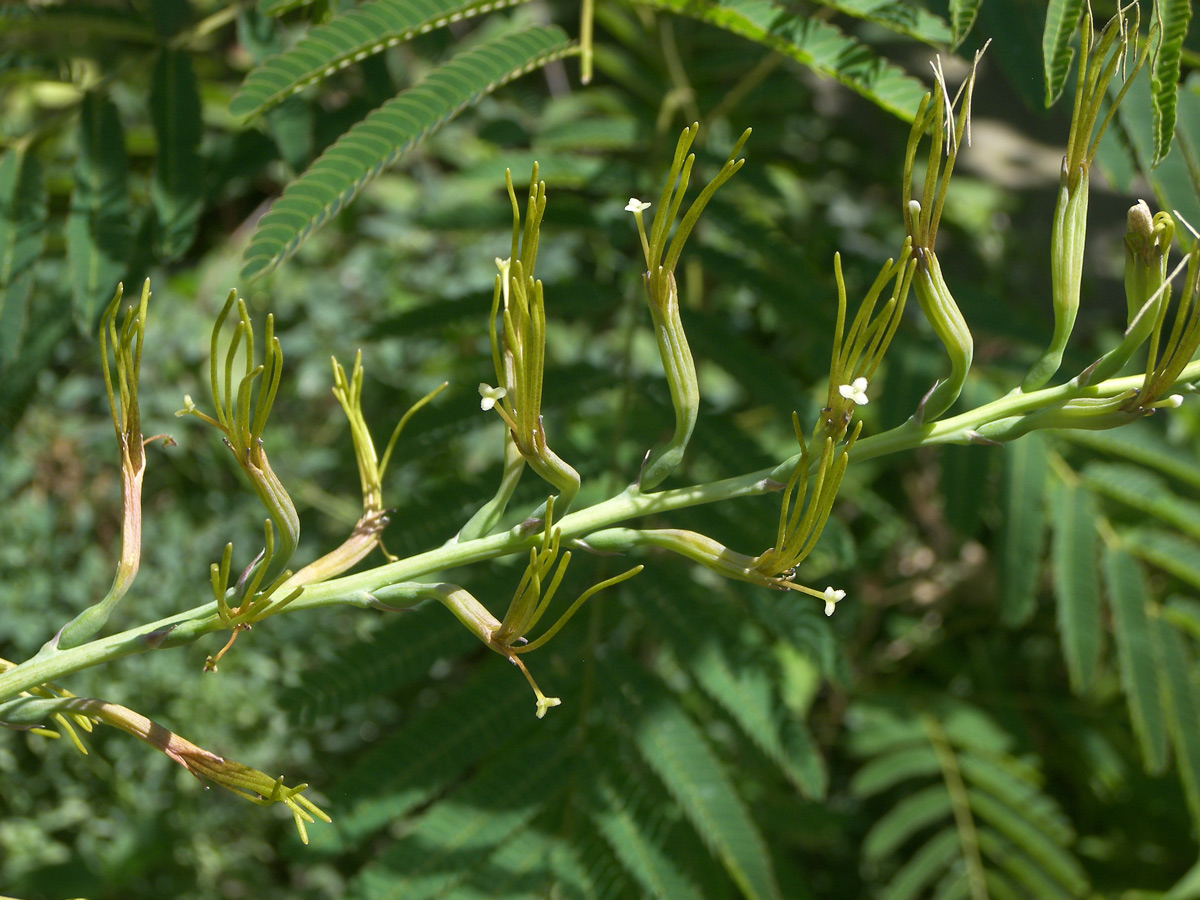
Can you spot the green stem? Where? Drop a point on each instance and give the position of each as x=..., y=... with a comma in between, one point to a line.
x=358, y=589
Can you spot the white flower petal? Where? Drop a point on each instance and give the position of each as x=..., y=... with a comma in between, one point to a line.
x=856, y=391
x=490, y=395
x=832, y=596
x=636, y=206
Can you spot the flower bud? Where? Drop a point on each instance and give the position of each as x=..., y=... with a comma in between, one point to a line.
x=1147, y=293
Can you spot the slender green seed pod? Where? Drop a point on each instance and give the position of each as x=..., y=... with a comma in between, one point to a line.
x=1066, y=271
x=948, y=324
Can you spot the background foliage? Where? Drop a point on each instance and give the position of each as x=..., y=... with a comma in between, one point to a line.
x=1006, y=703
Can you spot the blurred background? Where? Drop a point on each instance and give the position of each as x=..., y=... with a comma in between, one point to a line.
x=715, y=740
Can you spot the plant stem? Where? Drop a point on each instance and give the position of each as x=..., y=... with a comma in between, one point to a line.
x=1007, y=413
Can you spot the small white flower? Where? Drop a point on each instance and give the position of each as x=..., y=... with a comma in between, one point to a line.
x=636, y=206
x=544, y=703
x=855, y=391
x=831, y=599
x=490, y=395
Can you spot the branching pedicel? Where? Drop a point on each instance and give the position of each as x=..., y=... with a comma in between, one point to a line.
x=1098, y=397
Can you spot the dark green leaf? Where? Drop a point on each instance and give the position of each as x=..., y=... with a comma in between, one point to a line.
x=679, y=754
x=1127, y=596
x=624, y=831
x=98, y=229
x=1176, y=554
x=456, y=836
x=22, y=225
x=1183, y=708
x=890, y=769
x=1076, y=586
x=1146, y=493
x=1144, y=445
x=176, y=188
x=348, y=38
x=1041, y=847
x=933, y=858
x=915, y=812
x=1024, y=526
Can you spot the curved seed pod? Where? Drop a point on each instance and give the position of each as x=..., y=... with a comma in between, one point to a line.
x=951, y=328
x=937, y=116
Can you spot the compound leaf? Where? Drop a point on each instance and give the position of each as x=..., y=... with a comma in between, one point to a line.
x=1062, y=18
x=98, y=230
x=349, y=38
x=813, y=43
x=388, y=133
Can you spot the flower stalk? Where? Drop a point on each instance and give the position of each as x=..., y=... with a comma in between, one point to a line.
x=241, y=416
x=519, y=353
x=126, y=344
x=662, y=295
x=858, y=352
x=253, y=785
x=921, y=219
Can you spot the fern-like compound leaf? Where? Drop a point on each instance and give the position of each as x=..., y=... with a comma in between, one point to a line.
x=375, y=143
x=1062, y=18
x=914, y=813
x=1142, y=490
x=464, y=834
x=1076, y=586
x=1143, y=446
x=1167, y=550
x=1127, y=596
x=1164, y=77
x=908, y=19
x=98, y=232
x=743, y=688
x=22, y=235
x=1025, y=470
x=678, y=752
x=962, y=17
x=468, y=726
x=176, y=188
x=1183, y=708
x=349, y=38
x=890, y=769
x=624, y=831
x=812, y=42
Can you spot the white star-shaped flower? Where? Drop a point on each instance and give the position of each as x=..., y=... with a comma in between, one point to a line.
x=831, y=599
x=544, y=703
x=490, y=395
x=856, y=391
x=636, y=206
